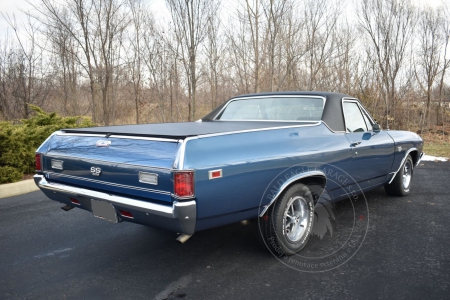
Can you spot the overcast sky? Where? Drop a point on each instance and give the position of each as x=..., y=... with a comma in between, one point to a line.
x=14, y=7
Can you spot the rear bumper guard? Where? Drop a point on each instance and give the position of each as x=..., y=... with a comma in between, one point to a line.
x=185, y=212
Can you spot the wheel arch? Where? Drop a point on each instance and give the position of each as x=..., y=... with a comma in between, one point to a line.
x=416, y=157
x=307, y=178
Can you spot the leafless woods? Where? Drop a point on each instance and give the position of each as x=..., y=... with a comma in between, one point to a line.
x=126, y=61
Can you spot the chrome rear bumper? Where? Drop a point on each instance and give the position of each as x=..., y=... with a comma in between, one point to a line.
x=180, y=217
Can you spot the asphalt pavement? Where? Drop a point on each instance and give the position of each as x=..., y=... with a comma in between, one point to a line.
x=47, y=253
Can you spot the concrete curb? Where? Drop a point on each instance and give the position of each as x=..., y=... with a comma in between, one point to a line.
x=17, y=188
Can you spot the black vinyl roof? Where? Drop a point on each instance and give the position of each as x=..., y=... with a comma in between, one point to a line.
x=332, y=116
x=332, y=113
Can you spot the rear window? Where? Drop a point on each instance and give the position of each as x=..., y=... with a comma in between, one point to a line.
x=274, y=109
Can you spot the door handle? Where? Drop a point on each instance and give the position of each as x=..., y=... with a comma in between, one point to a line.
x=354, y=144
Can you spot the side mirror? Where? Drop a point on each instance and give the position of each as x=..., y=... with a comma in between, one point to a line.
x=376, y=128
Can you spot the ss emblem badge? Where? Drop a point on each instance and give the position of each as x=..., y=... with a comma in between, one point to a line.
x=96, y=171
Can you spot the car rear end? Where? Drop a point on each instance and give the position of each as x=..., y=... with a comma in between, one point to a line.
x=119, y=178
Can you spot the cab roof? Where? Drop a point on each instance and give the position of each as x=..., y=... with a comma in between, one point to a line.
x=332, y=114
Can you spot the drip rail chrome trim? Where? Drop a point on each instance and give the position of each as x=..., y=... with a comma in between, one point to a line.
x=269, y=96
x=269, y=121
x=363, y=111
x=339, y=131
x=53, y=175
x=315, y=123
x=402, y=162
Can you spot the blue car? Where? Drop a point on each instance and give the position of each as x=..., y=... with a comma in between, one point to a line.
x=268, y=156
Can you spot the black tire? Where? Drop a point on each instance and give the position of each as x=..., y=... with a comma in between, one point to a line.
x=401, y=185
x=286, y=226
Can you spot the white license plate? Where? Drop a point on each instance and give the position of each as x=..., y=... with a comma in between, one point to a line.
x=103, y=210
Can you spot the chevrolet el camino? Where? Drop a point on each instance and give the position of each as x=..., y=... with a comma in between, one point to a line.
x=232, y=165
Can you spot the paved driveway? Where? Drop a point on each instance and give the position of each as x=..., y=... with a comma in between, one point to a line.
x=47, y=253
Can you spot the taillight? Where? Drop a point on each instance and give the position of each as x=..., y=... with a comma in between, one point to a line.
x=126, y=214
x=38, y=162
x=184, y=184
x=74, y=201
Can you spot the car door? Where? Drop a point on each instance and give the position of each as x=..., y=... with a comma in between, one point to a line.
x=372, y=152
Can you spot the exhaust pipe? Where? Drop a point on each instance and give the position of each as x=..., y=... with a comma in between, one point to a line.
x=67, y=207
x=182, y=238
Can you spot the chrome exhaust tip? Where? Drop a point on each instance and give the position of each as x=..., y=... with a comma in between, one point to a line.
x=182, y=238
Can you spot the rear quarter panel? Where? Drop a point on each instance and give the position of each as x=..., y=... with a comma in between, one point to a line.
x=250, y=163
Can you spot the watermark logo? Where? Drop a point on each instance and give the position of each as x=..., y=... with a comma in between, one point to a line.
x=330, y=232
x=324, y=216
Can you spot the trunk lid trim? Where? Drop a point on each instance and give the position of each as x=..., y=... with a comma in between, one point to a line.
x=53, y=175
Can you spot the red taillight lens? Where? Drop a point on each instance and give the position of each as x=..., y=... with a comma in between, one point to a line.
x=184, y=184
x=38, y=162
x=126, y=214
x=74, y=201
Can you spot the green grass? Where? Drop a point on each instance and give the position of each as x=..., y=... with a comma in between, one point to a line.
x=436, y=145
x=437, y=149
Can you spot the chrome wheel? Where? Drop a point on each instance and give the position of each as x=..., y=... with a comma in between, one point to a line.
x=401, y=184
x=286, y=226
x=295, y=219
x=407, y=174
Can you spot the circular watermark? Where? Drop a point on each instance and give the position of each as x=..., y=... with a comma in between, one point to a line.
x=338, y=229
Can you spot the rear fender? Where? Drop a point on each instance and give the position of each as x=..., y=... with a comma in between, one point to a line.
x=307, y=178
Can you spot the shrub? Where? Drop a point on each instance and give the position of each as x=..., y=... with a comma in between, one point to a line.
x=9, y=174
x=19, y=142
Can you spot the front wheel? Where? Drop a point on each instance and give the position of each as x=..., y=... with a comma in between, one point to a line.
x=286, y=226
x=401, y=184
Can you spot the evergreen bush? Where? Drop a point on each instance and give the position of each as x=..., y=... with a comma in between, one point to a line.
x=18, y=143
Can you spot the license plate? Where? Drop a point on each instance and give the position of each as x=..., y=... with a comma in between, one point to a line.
x=103, y=210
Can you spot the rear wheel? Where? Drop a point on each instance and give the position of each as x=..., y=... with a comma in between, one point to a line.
x=286, y=226
x=401, y=184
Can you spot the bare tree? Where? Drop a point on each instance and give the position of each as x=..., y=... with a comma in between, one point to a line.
x=274, y=12
x=345, y=65
x=101, y=24
x=213, y=47
x=428, y=56
x=23, y=72
x=240, y=72
x=293, y=48
x=320, y=17
x=445, y=35
x=113, y=60
x=190, y=20
x=388, y=26
x=63, y=49
x=250, y=17
x=135, y=53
